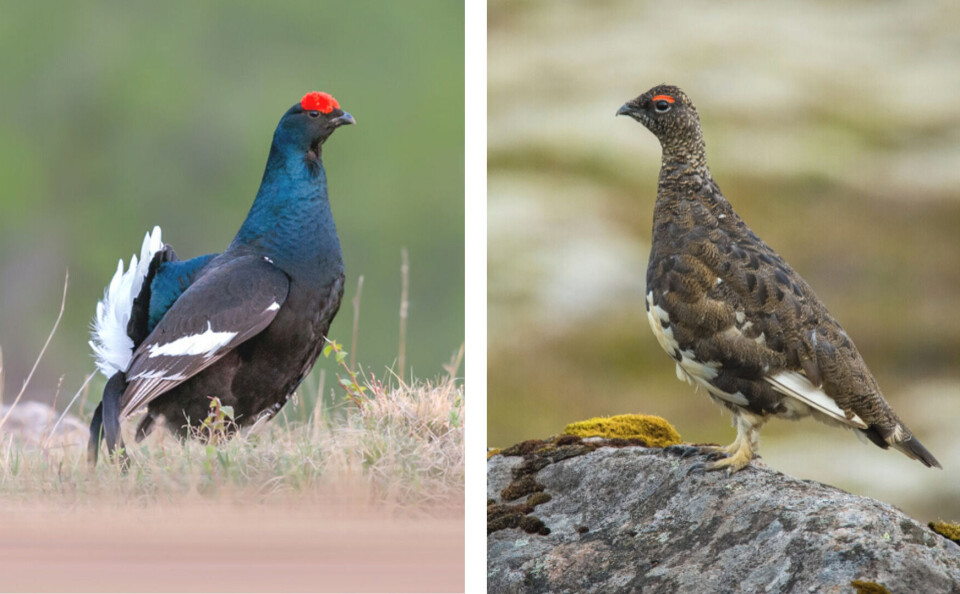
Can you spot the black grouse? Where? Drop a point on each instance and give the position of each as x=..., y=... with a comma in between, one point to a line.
x=244, y=326
x=736, y=318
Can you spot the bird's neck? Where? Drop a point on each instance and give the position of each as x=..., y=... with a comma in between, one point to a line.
x=685, y=151
x=290, y=221
x=684, y=177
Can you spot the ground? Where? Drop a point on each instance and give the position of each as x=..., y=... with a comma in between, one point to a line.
x=223, y=546
x=350, y=497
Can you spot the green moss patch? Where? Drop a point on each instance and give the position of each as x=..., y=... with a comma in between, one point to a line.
x=501, y=516
x=863, y=587
x=540, y=453
x=523, y=485
x=653, y=431
x=537, y=454
x=538, y=498
x=949, y=530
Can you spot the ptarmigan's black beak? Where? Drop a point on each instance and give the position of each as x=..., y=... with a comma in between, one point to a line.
x=626, y=109
x=343, y=120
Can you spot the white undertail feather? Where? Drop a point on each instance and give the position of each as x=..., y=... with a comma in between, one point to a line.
x=111, y=346
x=798, y=386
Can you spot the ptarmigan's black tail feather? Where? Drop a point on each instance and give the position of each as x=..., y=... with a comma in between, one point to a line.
x=912, y=447
x=873, y=434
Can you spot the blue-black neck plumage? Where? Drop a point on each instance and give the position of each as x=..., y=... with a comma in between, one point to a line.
x=290, y=221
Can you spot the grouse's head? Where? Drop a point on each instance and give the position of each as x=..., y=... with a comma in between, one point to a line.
x=308, y=124
x=667, y=112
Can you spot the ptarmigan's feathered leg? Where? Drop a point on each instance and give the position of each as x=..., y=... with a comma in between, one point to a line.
x=744, y=447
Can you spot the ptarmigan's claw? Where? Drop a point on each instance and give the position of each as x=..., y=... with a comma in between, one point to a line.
x=683, y=450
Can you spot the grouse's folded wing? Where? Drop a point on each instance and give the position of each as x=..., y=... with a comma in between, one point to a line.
x=226, y=306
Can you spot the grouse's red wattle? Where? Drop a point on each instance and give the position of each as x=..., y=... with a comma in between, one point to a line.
x=318, y=101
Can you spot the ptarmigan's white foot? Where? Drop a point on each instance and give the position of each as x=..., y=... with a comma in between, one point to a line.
x=742, y=450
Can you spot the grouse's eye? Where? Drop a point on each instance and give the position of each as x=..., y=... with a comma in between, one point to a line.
x=314, y=114
x=662, y=106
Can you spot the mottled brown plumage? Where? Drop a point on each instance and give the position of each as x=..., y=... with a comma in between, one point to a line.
x=736, y=318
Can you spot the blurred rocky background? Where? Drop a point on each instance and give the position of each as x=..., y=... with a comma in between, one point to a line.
x=834, y=129
x=115, y=117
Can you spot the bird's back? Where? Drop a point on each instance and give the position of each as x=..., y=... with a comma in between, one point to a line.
x=743, y=324
x=720, y=284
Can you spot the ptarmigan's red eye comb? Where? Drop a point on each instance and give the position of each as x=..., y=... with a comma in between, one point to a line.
x=317, y=101
x=666, y=98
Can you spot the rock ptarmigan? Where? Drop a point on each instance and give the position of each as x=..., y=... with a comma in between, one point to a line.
x=736, y=318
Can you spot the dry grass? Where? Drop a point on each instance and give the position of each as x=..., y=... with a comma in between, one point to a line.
x=26, y=382
x=403, y=447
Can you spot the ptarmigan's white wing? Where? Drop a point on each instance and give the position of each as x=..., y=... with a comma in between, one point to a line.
x=797, y=385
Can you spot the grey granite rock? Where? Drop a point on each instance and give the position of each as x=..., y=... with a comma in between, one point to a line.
x=34, y=424
x=635, y=519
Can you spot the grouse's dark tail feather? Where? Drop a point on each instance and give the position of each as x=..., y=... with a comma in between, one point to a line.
x=105, y=424
x=96, y=424
x=111, y=410
x=914, y=449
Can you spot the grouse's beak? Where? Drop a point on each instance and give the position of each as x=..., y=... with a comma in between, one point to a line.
x=342, y=120
x=625, y=109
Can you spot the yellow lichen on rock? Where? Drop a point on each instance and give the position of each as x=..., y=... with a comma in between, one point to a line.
x=655, y=431
x=949, y=529
x=863, y=587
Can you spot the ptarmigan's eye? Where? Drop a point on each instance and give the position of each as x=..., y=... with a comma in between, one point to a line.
x=313, y=114
x=662, y=106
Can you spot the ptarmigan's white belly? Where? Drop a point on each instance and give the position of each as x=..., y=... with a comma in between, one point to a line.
x=804, y=398
x=689, y=369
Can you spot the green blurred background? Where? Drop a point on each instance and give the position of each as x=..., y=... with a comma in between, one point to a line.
x=834, y=129
x=118, y=116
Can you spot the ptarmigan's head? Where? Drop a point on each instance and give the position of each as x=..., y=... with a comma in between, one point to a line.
x=667, y=112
